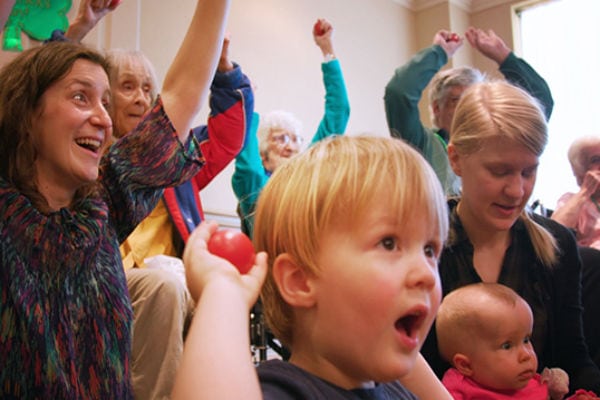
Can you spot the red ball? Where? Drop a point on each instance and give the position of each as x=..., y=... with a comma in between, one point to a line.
x=453, y=38
x=317, y=29
x=234, y=246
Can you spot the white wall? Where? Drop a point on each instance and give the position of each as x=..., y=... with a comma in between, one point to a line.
x=272, y=41
x=573, y=85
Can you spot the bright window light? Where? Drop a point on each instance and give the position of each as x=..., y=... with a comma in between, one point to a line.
x=559, y=40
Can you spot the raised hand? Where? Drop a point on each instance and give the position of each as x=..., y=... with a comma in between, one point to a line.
x=488, y=43
x=322, y=33
x=591, y=183
x=202, y=267
x=225, y=63
x=448, y=41
x=88, y=15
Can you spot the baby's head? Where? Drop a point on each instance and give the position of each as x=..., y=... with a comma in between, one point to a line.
x=484, y=331
x=353, y=228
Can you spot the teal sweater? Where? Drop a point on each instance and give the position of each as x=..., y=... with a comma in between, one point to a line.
x=249, y=176
x=404, y=90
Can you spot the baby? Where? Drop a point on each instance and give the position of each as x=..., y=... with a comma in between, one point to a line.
x=484, y=331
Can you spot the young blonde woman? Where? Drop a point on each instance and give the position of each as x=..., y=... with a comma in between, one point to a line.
x=498, y=135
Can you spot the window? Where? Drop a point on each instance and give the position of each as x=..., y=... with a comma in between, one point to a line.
x=559, y=39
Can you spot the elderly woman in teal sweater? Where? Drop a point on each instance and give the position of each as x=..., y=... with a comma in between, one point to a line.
x=277, y=136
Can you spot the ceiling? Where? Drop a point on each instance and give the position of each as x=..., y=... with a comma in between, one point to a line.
x=467, y=5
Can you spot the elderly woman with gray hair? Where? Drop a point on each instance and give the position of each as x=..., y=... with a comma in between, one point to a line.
x=581, y=211
x=276, y=137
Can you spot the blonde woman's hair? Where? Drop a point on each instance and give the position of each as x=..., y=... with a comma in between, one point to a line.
x=338, y=181
x=498, y=109
x=462, y=315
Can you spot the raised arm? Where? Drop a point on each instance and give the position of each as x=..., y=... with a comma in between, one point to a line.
x=88, y=15
x=6, y=7
x=216, y=362
x=188, y=79
x=231, y=107
x=337, y=105
x=404, y=90
x=514, y=69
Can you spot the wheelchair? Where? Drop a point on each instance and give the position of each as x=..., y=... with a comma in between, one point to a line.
x=262, y=340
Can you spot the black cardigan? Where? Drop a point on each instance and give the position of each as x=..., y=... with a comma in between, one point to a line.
x=553, y=293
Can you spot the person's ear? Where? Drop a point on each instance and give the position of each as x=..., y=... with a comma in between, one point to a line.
x=454, y=159
x=462, y=363
x=435, y=107
x=264, y=155
x=294, y=283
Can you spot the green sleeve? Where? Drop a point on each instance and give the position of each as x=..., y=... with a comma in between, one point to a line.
x=402, y=96
x=519, y=73
x=337, y=105
x=249, y=176
x=403, y=93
